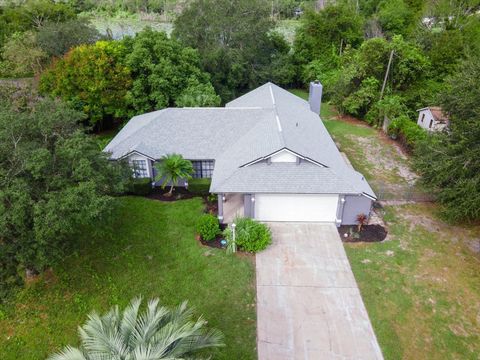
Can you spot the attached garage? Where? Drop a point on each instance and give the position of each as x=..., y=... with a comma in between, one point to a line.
x=296, y=207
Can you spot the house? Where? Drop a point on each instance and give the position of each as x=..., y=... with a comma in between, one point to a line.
x=432, y=119
x=268, y=155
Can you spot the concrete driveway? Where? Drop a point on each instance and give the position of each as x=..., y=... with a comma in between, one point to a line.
x=308, y=303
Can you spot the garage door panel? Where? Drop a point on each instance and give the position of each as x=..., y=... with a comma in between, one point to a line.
x=296, y=207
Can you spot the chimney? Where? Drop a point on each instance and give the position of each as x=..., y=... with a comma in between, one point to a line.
x=315, y=96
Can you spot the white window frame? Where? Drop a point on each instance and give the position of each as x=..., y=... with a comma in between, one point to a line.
x=139, y=172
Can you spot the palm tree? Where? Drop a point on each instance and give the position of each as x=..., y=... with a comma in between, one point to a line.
x=156, y=333
x=172, y=168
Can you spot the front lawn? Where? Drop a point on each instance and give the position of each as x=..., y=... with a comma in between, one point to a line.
x=422, y=287
x=153, y=253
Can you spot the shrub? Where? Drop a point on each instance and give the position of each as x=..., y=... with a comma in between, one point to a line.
x=199, y=186
x=408, y=131
x=208, y=227
x=250, y=235
x=141, y=186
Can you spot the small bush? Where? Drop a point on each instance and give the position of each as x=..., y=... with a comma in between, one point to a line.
x=208, y=227
x=199, y=186
x=141, y=186
x=408, y=131
x=250, y=235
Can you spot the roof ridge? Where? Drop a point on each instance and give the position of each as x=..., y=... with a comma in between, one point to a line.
x=277, y=117
x=217, y=108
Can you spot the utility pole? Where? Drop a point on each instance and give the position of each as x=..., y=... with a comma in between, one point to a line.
x=386, y=74
x=385, y=83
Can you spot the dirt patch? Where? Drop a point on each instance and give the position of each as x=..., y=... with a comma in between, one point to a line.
x=426, y=219
x=385, y=159
x=351, y=120
x=369, y=233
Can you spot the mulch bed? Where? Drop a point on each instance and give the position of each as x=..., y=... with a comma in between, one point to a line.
x=216, y=242
x=179, y=193
x=369, y=233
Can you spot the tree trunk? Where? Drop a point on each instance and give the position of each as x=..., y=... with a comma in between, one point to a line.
x=170, y=192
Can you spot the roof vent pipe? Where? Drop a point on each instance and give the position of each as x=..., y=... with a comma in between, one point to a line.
x=315, y=96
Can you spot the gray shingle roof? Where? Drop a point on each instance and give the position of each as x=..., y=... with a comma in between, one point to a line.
x=248, y=129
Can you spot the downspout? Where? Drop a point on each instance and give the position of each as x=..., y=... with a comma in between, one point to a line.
x=220, y=207
x=340, y=209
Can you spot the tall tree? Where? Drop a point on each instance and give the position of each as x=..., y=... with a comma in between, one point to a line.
x=232, y=38
x=31, y=15
x=335, y=27
x=165, y=73
x=450, y=162
x=93, y=79
x=22, y=56
x=152, y=334
x=54, y=181
x=363, y=71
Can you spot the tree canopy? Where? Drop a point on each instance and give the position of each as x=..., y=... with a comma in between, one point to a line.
x=450, y=162
x=93, y=79
x=57, y=38
x=234, y=42
x=54, y=182
x=326, y=32
x=115, y=79
x=165, y=73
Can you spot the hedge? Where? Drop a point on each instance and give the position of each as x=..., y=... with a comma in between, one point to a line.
x=408, y=131
x=199, y=186
x=141, y=186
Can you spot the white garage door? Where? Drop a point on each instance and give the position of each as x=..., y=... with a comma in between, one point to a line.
x=295, y=207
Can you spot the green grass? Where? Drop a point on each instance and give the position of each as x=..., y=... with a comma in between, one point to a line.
x=153, y=253
x=300, y=93
x=327, y=111
x=421, y=289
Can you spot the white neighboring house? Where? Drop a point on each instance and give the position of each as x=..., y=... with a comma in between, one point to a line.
x=432, y=119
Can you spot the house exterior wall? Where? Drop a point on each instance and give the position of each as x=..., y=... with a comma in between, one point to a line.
x=249, y=205
x=284, y=156
x=353, y=206
x=140, y=157
x=425, y=117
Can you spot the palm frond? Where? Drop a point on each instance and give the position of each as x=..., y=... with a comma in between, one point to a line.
x=129, y=321
x=153, y=334
x=69, y=353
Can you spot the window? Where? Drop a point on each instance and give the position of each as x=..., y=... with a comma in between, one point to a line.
x=202, y=169
x=139, y=168
x=431, y=123
x=423, y=117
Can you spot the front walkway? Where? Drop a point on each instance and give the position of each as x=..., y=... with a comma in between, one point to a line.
x=308, y=303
